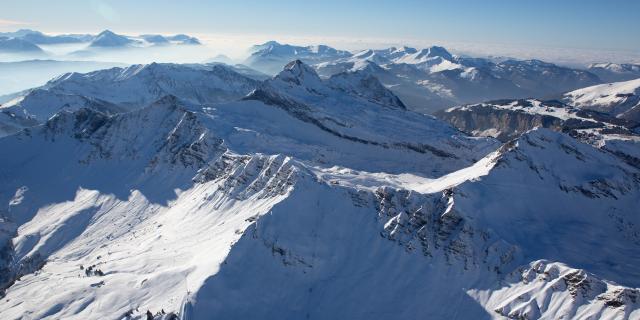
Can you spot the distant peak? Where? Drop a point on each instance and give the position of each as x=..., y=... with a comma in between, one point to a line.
x=435, y=51
x=297, y=71
x=27, y=31
x=406, y=49
x=271, y=43
x=364, y=54
x=299, y=68
x=107, y=38
x=106, y=32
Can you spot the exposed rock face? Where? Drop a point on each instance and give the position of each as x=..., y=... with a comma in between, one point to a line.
x=508, y=119
x=532, y=288
x=501, y=124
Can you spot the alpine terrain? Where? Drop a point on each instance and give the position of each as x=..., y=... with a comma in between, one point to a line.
x=188, y=191
x=319, y=160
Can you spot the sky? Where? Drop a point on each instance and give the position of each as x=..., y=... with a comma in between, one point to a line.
x=606, y=27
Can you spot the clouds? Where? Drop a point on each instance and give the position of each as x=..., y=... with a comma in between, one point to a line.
x=8, y=24
x=235, y=46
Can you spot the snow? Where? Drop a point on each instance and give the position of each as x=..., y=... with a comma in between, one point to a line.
x=303, y=198
x=532, y=106
x=129, y=88
x=615, y=98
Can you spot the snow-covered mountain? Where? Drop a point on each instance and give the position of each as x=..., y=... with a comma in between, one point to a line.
x=242, y=69
x=184, y=39
x=157, y=39
x=108, y=39
x=270, y=56
x=306, y=198
x=542, y=78
x=355, y=107
x=37, y=37
x=22, y=75
x=619, y=99
x=615, y=72
x=509, y=119
x=425, y=86
x=105, y=39
x=17, y=45
x=432, y=79
x=172, y=211
x=25, y=43
x=124, y=89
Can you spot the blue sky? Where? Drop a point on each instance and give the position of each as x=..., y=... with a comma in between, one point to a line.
x=586, y=24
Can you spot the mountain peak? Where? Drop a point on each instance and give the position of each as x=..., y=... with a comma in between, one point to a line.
x=435, y=51
x=404, y=49
x=271, y=43
x=107, y=38
x=365, y=85
x=298, y=72
x=106, y=32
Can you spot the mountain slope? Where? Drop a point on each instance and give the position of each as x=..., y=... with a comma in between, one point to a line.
x=367, y=120
x=508, y=119
x=615, y=72
x=37, y=37
x=432, y=79
x=271, y=56
x=543, y=79
x=619, y=99
x=108, y=39
x=410, y=248
x=310, y=198
x=170, y=210
x=22, y=75
x=16, y=45
x=121, y=89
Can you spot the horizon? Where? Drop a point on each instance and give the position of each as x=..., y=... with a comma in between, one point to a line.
x=237, y=47
x=570, y=32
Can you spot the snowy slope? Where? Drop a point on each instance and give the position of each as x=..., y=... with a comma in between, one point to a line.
x=305, y=256
x=17, y=45
x=615, y=72
x=271, y=56
x=509, y=119
x=22, y=75
x=620, y=99
x=121, y=89
x=310, y=198
x=368, y=119
x=425, y=91
x=543, y=79
x=37, y=37
x=108, y=39
x=170, y=209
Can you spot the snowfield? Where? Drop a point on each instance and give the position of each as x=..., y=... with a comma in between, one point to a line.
x=621, y=99
x=303, y=197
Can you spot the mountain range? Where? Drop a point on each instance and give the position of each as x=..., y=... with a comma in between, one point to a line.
x=615, y=72
x=122, y=89
x=431, y=79
x=27, y=41
x=199, y=191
